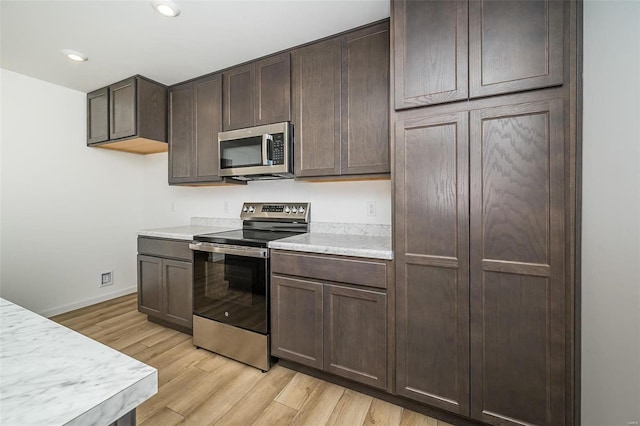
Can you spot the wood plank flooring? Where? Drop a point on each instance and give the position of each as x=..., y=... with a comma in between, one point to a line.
x=197, y=387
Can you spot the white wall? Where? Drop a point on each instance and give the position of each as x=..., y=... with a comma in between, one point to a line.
x=611, y=215
x=69, y=212
x=330, y=201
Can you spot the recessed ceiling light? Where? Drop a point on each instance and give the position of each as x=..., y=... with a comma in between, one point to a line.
x=166, y=8
x=74, y=55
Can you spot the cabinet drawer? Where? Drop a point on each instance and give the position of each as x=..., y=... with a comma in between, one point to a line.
x=165, y=248
x=369, y=273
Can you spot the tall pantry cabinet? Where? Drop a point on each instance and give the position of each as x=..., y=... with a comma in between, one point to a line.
x=485, y=182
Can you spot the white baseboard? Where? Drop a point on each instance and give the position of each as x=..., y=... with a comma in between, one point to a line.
x=87, y=302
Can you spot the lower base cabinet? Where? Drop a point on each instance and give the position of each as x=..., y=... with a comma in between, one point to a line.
x=355, y=334
x=339, y=329
x=165, y=285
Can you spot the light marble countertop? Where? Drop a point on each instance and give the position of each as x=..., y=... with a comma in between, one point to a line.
x=51, y=375
x=341, y=244
x=182, y=232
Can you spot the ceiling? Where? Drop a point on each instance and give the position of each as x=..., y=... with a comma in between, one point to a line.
x=123, y=38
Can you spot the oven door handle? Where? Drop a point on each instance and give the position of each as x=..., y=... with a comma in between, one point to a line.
x=234, y=250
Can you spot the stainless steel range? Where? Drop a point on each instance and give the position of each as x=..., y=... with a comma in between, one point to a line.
x=231, y=281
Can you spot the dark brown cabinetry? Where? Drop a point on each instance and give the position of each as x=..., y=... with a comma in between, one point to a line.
x=451, y=50
x=195, y=118
x=432, y=240
x=258, y=93
x=493, y=346
x=485, y=207
x=517, y=264
x=165, y=269
x=355, y=319
x=297, y=320
x=98, y=116
x=340, y=97
x=316, y=117
x=134, y=111
x=319, y=323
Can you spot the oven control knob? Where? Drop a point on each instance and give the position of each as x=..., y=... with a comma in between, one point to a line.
x=294, y=210
x=287, y=210
x=226, y=314
x=251, y=209
x=245, y=209
x=301, y=210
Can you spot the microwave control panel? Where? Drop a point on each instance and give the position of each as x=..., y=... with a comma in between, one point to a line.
x=277, y=149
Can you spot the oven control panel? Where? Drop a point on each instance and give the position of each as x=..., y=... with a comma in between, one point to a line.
x=276, y=211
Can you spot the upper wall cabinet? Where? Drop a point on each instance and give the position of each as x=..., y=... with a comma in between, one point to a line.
x=195, y=118
x=341, y=104
x=258, y=93
x=506, y=46
x=130, y=116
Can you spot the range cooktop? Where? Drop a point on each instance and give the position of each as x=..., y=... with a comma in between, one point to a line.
x=263, y=222
x=251, y=238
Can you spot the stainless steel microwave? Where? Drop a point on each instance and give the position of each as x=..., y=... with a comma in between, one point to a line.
x=254, y=153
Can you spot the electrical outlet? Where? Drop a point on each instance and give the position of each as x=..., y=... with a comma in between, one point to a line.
x=106, y=278
x=226, y=207
x=173, y=206
x=371, y=208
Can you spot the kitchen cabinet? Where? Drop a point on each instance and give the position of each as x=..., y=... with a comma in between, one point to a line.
x=432, y=254
x=297, y=325
x=330, y=326
x=195, y=118
x=340, y=96
x=165, y=270
x=98, y=116
x=495, y=343
x=258, y=93
x=447, y=51
x=518, y=340
x=486, y=207
x=129, y=116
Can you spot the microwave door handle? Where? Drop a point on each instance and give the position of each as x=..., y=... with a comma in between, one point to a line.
x=267, y=141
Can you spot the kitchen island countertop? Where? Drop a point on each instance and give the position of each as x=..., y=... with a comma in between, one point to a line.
x=52, y=375
x=340, y=244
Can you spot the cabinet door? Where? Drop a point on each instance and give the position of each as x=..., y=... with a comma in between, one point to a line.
x=151, y=110
x=181, y=127
x=208, y=122
x=515, y=45
x=178, y=306
x=316, y=117
x=150, y=298
x=365, y=101
x=432, y=260
x=98, y=116
x=517, y=264
x=430, y=51
x=273, y=89
x=239, y=97
x=297, y=320
x=122, y=104
x=355, y=336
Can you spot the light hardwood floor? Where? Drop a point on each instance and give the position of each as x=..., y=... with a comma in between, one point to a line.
x=197, y=387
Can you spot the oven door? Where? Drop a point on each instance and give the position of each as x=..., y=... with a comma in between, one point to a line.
x=231, y=285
